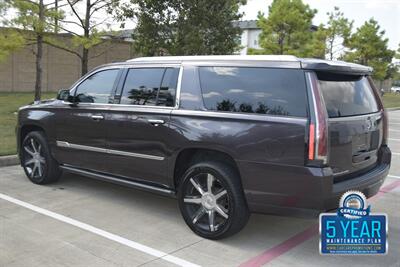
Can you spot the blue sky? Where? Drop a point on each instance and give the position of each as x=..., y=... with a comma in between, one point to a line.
x=386, y=12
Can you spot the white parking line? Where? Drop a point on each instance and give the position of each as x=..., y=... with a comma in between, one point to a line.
x=394, y=139
x=394, y=176
x=395, y=153
x=97, y=231
x=393, y=130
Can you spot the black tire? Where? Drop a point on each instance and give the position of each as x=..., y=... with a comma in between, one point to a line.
x=39, y=165
x=232, y=203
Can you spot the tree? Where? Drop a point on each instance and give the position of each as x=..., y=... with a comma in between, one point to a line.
x=338, y=31
x=316, y=48
x=368, y=46
x=86, y=35
x=287, y=29
x=9, y=42
x=32, y=22
x=184, y=27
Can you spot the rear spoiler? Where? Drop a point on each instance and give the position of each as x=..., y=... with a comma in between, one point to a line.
x=334, y=66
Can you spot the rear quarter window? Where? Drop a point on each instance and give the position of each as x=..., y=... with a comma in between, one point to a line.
x=347, y=95
x=254, y=90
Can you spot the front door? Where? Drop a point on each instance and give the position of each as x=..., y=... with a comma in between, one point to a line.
x=138, y=134
x=81, y=129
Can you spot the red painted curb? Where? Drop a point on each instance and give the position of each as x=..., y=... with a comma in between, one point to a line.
x=301, y=237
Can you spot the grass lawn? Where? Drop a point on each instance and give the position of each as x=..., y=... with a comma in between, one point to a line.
x=10, y=102
x=391, y=100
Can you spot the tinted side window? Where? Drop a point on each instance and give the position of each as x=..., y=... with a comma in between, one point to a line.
x=150, y=86
x=97, y=87
x=166, y=96
x=141, y=86
x=254, y=90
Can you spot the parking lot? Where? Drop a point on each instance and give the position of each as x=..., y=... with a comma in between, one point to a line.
x=84, y=222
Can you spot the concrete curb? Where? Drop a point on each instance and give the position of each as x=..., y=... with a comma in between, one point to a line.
x=9, y=160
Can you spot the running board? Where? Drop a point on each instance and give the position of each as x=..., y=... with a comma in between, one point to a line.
x=120, y=181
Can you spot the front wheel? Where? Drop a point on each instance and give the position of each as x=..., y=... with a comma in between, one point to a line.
x=211, y=200
x=37, y=161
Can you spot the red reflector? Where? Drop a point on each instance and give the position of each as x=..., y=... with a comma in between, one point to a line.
x=311, y=142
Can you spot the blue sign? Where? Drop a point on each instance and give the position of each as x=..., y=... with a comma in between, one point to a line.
x=353, y=230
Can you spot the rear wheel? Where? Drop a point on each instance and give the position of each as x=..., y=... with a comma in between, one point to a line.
x=37, y=161
x=211, y=200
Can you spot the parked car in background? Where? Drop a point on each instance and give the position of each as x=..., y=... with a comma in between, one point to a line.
x=395, y=89
x=226, y=135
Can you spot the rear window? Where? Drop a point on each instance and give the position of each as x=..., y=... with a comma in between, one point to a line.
x=254, y=90
x=347, y=95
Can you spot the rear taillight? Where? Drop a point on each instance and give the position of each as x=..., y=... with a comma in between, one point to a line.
x=318, y=129
x=382, y=109
x=385, y=127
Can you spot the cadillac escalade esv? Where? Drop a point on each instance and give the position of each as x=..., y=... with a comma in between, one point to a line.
x=226, y=135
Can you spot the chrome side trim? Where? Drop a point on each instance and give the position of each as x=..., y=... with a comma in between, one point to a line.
x=244, y=116
x=108, y=151
x=116, y=180
x=178, y=88
x=356, y=117
x=136, y=155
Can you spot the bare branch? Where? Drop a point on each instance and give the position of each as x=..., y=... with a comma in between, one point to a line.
x=71, y=22
x=104, y=50
x=63, y=48
x=97, y=24
x=64, y=29
x=98, y=8
x=72, y=4
x=95, y=3
x=31, y=2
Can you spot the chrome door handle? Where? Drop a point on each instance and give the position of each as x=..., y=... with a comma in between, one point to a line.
x=156, y=122
x=97, y=117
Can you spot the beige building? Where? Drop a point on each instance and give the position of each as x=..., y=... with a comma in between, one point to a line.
x=60, y=68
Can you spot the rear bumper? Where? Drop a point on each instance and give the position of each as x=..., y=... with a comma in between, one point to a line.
x=305, y=191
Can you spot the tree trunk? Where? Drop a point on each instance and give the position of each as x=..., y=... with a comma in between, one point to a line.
x=56, y=18
x=39, y=54
x=331, y=49
x=86, y=34
x=84, y=61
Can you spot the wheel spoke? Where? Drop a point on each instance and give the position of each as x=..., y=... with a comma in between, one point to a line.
x=39, y=148
x=28, y=162
x=33, y=145
x=210, y=181
x=30, y=152
x=40, y=169
x=42, y=160
x=221, y=211
x=197, y=186
x=220, y=194
x=211, y=217
x=200, y=212
x=194, y=200
x=34, y=170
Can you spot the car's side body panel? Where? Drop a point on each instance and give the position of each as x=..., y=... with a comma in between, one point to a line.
x=270, y=151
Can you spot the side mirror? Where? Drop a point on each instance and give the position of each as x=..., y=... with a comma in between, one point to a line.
x=63, y=94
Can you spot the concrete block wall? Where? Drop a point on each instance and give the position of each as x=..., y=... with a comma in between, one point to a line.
x=60, y=68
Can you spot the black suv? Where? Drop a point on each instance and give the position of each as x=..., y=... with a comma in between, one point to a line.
x=226, y=135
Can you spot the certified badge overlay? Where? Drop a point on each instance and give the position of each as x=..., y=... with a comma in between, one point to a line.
x=353, y=230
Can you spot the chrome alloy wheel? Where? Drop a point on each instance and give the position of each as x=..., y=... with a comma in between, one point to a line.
x=34, y=161
x=207, y=202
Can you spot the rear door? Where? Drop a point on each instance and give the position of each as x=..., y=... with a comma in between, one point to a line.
x=354, y=121
x=138, y=133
